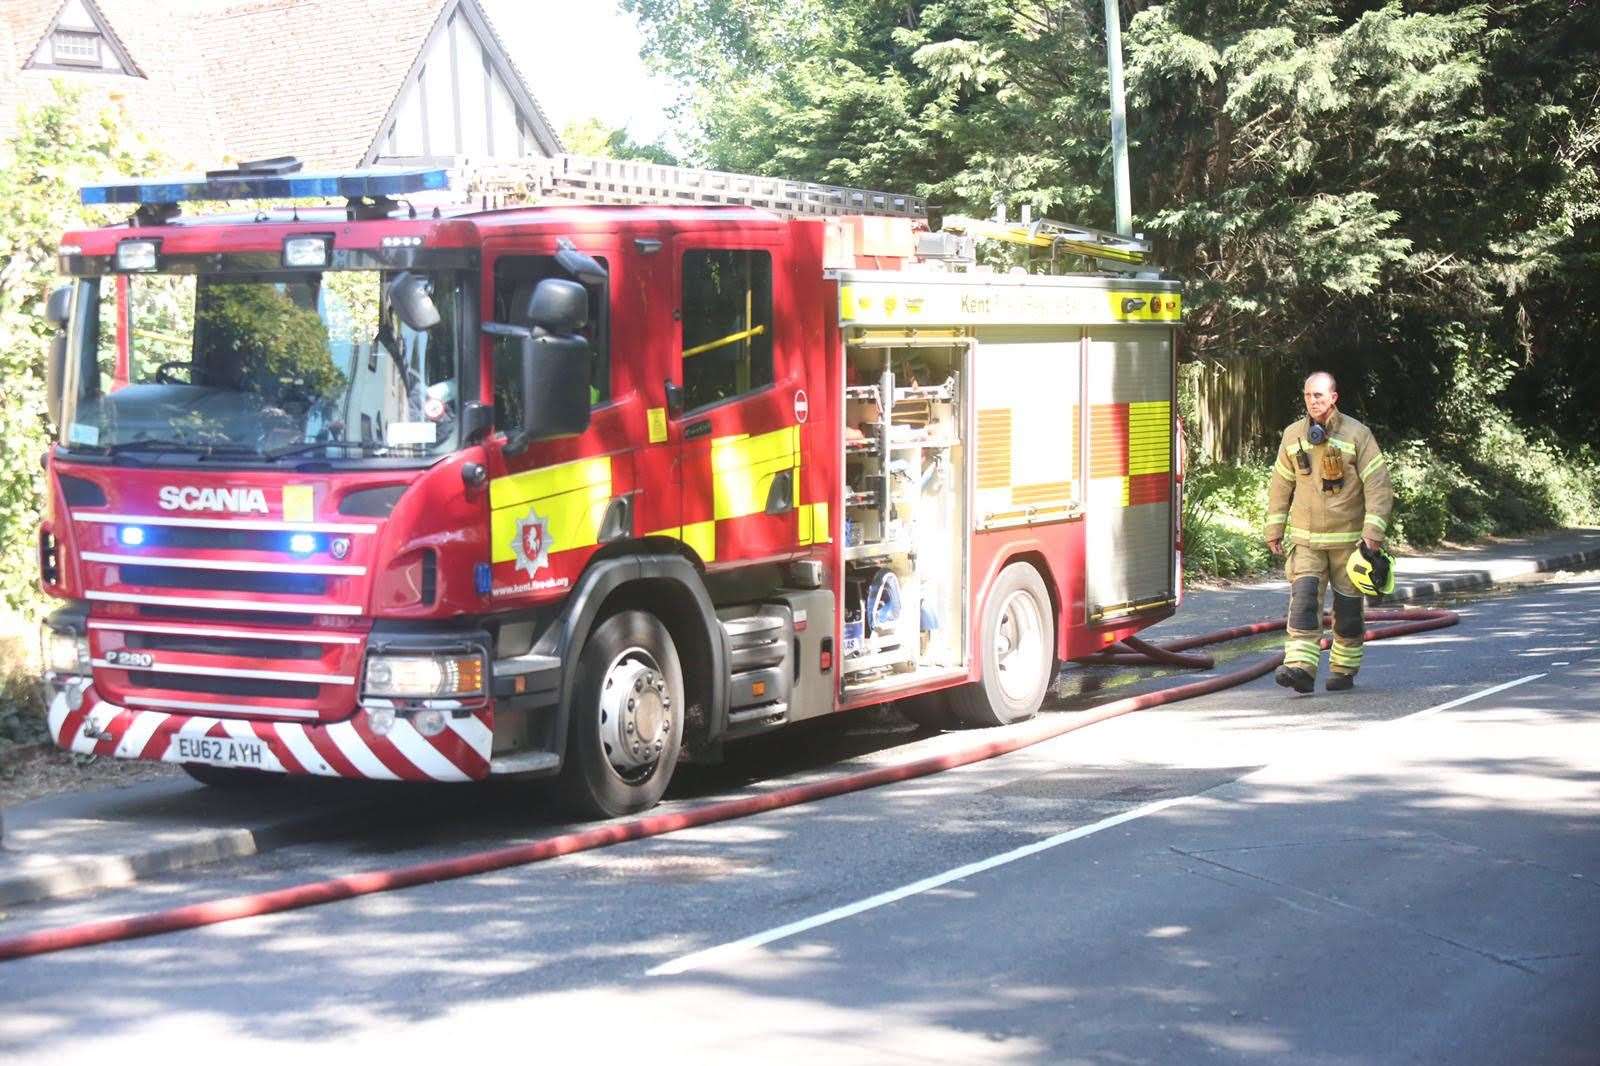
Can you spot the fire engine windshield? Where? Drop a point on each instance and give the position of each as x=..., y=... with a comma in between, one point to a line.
x=260, y=367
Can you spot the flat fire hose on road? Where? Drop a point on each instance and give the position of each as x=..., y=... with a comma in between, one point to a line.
x=1026, y=734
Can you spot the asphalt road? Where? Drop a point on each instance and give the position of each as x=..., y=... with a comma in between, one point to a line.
x=1249, y=877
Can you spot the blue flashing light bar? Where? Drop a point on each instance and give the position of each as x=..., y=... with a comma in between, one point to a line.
x=371, y=182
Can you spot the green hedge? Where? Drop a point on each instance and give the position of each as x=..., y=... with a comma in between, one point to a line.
x=1501, y=480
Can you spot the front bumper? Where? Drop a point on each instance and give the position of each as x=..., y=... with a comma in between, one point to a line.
x=340, y=749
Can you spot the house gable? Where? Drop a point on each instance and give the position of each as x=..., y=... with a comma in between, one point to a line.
x=80, y=40
x=463, y=96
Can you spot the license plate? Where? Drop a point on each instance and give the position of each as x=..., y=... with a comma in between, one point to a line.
x=223, y=751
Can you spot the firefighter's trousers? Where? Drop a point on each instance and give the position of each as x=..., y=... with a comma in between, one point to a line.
x=1311, y=571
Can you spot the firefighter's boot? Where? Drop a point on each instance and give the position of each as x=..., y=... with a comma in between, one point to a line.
x=1344, y=657
x=1302, y=645
x=1296, y=678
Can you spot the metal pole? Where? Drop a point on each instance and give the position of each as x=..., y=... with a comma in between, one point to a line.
x=1119, y=119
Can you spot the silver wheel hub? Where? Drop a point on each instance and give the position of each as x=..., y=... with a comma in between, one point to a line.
x=635, y=712
x=1018, y=646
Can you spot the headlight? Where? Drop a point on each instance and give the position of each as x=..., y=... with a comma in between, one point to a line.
x=137, y=255
x=305, y=252
x=424, y=676
x=65, y=652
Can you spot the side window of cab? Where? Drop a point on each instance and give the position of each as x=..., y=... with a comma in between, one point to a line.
x=515, y=277
x=727, y=324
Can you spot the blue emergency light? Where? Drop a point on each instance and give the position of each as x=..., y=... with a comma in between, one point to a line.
x=370, y=182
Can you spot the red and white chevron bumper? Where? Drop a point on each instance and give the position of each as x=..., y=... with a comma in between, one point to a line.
x=340, y=749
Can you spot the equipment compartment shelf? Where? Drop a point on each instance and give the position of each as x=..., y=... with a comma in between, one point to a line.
x=929, y=445
x=857, y=664
x=877, y=549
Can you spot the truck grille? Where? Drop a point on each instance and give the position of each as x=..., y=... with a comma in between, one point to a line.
x=171, y=577
x=226, y=616
x=225, y=686
x=212, y=645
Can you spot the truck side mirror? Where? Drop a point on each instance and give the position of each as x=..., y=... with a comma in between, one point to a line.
x=581, y=266
x=554, y=383
x=58, y=307
x=55, y=378
x=558, y=306
x=56, y=311
x=408, y=295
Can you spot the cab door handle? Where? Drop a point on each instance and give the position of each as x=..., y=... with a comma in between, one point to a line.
x=674, y=399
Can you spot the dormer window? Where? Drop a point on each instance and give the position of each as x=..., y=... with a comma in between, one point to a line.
x=69, y=48
x=80, y=40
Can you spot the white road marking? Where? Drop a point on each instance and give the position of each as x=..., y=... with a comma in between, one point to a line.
x=734, y=948
x=737, y=947
x=1465, y=699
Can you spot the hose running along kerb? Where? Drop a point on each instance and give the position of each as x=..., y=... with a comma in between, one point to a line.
x=1004, y=741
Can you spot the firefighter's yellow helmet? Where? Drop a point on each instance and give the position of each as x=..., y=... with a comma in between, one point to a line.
x=1371, y=572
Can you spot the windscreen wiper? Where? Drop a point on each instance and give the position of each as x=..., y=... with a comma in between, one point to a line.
x=318, y=445
x=156, y=444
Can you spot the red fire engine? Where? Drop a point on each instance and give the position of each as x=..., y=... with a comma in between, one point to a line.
x=618, y=464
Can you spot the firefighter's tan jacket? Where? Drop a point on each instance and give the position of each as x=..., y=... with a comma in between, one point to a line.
x=1300, y=512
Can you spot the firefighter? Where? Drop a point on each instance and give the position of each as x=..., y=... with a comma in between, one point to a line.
x=1329, y=496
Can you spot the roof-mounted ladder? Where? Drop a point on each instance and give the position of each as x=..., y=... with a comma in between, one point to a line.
x=615, y=181
x=1113, y=248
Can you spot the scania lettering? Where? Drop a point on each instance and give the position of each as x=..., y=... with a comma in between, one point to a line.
x=578, y=469
x=238, y=501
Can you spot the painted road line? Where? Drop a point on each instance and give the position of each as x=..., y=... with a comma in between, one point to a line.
x=1464, y=699
x=735, y=948
x=739, y=947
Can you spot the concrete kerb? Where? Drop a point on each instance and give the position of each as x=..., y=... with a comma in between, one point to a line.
x=1411, y=590
x=25, y=878
x=30, y=877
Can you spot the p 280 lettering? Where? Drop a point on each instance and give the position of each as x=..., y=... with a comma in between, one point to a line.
x=138, y=659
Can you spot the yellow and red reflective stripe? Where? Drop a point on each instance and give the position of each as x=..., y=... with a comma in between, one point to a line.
x=1300, y=652
x=571, y=497
x=1317, y=540
x=743, y=467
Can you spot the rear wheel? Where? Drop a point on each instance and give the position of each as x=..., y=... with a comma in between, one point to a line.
x=1018, y=652
x=626, y=724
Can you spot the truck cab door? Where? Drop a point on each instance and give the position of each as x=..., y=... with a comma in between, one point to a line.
x=738, y=401
x=555, y=502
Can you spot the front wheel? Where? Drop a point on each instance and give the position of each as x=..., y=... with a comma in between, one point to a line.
x=626, y=723
x=1018, y=652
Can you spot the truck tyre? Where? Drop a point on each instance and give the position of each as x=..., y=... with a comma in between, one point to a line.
x=1017, y=652
x=626, y=723
x=230, y=777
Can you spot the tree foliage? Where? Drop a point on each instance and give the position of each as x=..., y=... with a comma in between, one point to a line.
x=591, y=136
x=57, y=148
x=1406, y=193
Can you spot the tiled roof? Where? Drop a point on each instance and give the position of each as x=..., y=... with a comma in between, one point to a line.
x=245, y=79
x=26, y=21
x=310, y=78
x=168, y=102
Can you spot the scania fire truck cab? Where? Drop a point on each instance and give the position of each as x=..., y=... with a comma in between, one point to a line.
x=385, y=489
